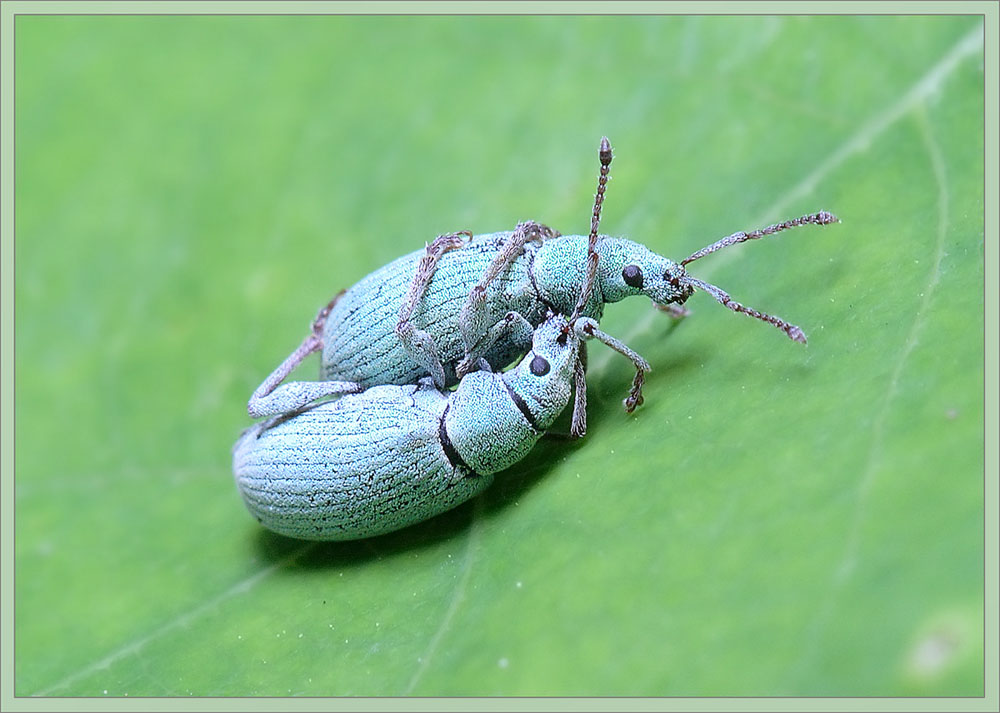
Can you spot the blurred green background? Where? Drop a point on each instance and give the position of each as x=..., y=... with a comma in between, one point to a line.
x=775, y=520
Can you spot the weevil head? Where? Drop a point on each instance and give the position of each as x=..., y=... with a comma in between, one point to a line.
x=544, y=377
x=626, y=269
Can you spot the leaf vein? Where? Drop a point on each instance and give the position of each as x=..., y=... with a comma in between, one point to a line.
x=180, y=620
x=457, y=597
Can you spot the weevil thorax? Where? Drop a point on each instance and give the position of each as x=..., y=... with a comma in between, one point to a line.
x=557, y=274
x=627, y=269
x=493, y=420
x=543, y=378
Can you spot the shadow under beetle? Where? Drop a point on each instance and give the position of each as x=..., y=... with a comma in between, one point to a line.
x=472, y=302
x=392, y=456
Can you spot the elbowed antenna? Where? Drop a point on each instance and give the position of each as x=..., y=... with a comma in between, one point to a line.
x=795, y=333
x=821, y=218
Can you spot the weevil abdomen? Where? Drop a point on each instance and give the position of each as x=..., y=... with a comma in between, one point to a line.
x=354, y=468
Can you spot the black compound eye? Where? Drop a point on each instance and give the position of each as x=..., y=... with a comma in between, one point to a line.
x=539, y=366
x=633, y=276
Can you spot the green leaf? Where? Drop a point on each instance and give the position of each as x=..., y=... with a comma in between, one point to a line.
x=775, y=520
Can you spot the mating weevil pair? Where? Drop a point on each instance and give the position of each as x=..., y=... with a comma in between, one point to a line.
x=458, y=311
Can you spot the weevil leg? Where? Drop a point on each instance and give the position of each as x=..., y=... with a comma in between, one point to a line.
x=272, y=398
x=513, y=324
x=473, y=318
x=587, y=328
x=296, y=395
x=578, y=426
x=418, y=343
x=674, y=311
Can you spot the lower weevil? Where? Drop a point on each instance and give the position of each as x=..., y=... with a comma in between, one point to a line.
x=389, y=457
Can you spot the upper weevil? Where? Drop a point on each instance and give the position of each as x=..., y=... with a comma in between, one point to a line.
x=467, y=302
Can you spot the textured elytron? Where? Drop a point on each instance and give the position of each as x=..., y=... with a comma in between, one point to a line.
x=374, y=462
x=352, y=468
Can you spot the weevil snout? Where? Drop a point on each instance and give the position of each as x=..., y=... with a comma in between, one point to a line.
x=677, y=277
x=627, y=269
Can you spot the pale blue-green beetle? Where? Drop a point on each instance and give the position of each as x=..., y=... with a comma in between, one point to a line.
x=377, y=461
x=468, y=302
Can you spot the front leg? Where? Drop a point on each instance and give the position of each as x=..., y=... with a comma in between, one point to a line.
x=578, y=426
x=473, y=320
x=418, y=343
x=513, y=325
x=587, y=328
x=674, y=311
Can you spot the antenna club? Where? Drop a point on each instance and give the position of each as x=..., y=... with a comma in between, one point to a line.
x=595, y=223
x=605, y=152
